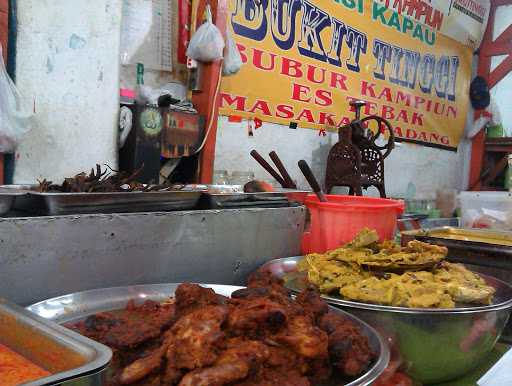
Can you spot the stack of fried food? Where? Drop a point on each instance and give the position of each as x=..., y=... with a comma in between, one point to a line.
x=415, y=276
x=258, y=337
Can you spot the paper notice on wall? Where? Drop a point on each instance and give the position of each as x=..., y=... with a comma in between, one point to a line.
x=461, y=20
x=146, y=34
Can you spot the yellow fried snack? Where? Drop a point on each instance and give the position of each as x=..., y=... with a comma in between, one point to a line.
x=388, y=274
x=412, y=289
x=463, y=285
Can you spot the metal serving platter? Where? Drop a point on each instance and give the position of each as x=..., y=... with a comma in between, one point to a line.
x=72, y=359
x=8, y=197
x=74, y=307
x=436, y=345
x=230, y=200
x=482, y=247
x=55, y=204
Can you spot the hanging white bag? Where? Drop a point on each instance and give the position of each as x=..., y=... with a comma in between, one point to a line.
x=232, y=58
x=15, y=113
x=207, y=44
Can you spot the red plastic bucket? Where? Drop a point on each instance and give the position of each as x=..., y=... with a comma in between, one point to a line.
x=338, y=221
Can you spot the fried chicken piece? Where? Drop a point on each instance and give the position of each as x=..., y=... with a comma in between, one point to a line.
x=312, y=302
x=256, y=317
x=273, y=377
x=264, y=278
x=198, y=336
x=233, y=365
x=190, y=297
x=305, y=338
x=142, y=367
x=348, y=348
x=171, y=374
x=130, y=327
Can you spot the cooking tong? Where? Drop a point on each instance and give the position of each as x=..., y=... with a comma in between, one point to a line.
x=281, y=175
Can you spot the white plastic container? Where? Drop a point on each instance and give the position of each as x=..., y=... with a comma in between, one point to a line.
x=486, y=210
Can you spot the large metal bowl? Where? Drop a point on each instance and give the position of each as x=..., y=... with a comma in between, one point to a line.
x=436, y=345
x=79, y=305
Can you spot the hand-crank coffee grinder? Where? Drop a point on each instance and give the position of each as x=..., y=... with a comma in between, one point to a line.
x=356, y=161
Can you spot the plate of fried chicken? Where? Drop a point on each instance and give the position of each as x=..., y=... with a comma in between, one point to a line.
x=215, y=335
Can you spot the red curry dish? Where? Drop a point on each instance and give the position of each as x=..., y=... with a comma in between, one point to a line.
x=16, y=369
x=258, y=337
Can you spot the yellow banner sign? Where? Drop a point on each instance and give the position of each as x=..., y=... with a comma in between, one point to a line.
x=306, y=60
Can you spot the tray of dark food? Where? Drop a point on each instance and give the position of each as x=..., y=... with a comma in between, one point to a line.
x=441, y=318
x=190, y=335
x=37, y=352
x=483, y=247
x=252, y=194
x=106, y=191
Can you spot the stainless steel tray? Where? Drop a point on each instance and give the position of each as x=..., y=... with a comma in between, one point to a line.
x=481, y=247
x=8, y=196
x=278, y=198
x=70, y=357
x=79, y=305
x=54, y=204
x=436, y=345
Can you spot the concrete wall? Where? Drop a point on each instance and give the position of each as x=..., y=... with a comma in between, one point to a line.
x=426, y=168
x=68, y=63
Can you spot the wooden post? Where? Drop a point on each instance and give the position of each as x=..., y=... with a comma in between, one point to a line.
x=489, y=48
x=203, y=100
x=4, y=33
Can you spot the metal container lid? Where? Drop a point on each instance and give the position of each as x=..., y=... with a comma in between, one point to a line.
x=64, y=353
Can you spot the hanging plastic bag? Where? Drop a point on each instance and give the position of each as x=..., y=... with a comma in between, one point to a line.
x=232, y=58
x=207, y=44
x=15, y=114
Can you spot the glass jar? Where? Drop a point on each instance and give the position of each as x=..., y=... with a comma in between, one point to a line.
x=241, y=177
x=220, y=177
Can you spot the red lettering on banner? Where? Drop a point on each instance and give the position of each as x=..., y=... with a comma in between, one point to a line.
x=323, y=98
x=261, y=106
x=258, y=60
x=298, y=91
x=345, y=121
x=404, y=98
x=327, y=119
x=417, y=119
x=284, y=111
x=229, y=100
x=445, y=140
x=452, y=111
x=398, y=131
x=423, y=137
x=386, y=93
x=311, y=74
x=338, y=81
x=388, y=112
x=434, y=136
x=306, y=113
x=368, y=89
x=403, y=116
x=418, y=101
x=241, y=49
x=289, y=65
x=411, y=134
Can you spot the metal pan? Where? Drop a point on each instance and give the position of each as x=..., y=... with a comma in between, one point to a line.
x=437, y=345
x=54, y=204
x=481, y=247
x=231, y=200
x=71, y=358
x=79, y=305
x=8, y=196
